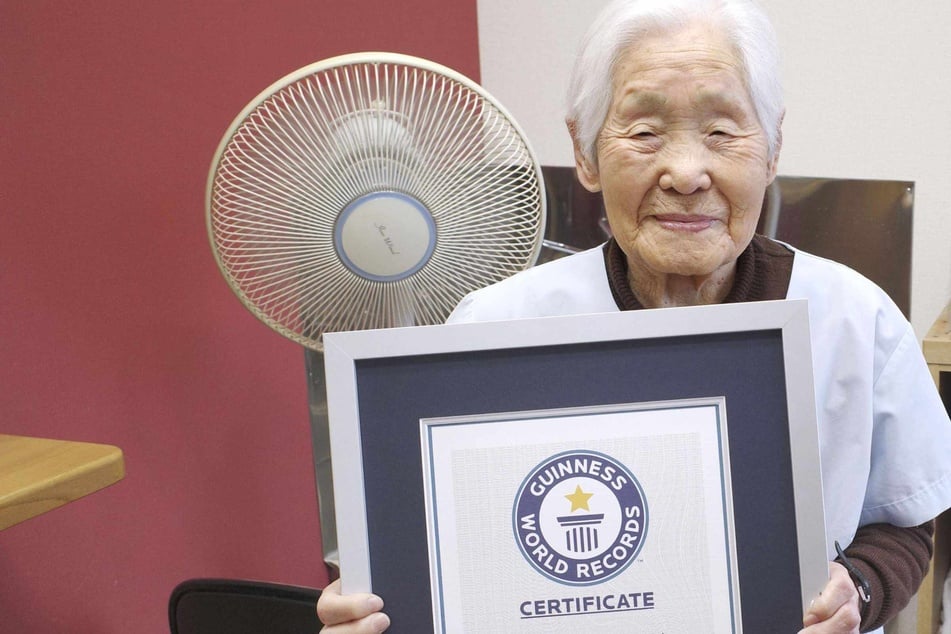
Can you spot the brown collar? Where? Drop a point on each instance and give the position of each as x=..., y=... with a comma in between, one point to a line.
x=763, y=271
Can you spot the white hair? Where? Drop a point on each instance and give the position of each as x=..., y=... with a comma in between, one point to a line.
x=623, y=22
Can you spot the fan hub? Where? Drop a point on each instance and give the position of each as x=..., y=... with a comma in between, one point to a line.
x=385, y=236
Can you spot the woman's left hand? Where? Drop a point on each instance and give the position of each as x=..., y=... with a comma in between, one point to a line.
x=836, y=609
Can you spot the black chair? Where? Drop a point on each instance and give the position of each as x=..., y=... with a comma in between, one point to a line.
x=231, y=606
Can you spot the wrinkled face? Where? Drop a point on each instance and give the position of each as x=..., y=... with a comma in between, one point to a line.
x=682, y=160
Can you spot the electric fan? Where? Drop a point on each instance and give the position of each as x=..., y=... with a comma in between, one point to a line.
x=364, y=191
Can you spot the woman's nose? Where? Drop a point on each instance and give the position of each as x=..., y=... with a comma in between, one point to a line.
x=685, y=170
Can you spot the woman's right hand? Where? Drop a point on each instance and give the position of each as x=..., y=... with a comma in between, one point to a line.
x=351, y=613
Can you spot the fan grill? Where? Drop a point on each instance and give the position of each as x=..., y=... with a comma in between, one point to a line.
x=331, y=134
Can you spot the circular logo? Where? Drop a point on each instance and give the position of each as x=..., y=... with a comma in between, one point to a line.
x=385, y=236
x=580, y=517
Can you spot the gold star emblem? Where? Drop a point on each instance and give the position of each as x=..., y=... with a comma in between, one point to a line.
x=579, y=499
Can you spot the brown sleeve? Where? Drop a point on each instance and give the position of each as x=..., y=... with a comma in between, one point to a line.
x=895, y=561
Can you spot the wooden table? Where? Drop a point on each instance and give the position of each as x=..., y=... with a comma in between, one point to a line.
x=38, y=475
x=937, y=349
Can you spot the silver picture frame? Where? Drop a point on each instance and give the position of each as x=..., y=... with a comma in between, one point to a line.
x=384, y=385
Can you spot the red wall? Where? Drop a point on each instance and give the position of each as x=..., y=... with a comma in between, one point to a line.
x=115, y=325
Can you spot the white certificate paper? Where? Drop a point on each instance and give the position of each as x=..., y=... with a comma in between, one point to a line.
x=605, y=519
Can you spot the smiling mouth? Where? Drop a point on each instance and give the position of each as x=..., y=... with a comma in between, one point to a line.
x=684, y=223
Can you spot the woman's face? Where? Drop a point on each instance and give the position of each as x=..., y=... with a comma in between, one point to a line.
x=683, y=162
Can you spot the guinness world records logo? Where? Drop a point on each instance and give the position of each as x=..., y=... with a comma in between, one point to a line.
x=580, y=517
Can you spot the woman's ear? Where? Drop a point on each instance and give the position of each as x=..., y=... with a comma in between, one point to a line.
x=774, y=160
x=586, y=170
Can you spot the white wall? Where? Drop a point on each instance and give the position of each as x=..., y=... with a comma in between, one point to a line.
x=868, y=95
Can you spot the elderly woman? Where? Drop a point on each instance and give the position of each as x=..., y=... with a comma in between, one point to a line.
x=675, y=113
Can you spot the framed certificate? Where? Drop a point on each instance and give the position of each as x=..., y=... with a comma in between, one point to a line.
x=652, y=471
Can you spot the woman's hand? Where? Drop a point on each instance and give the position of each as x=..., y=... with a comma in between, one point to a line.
x=351, y=613
x=836, y=609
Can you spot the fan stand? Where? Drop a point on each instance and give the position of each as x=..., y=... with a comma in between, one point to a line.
x=323, y=472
